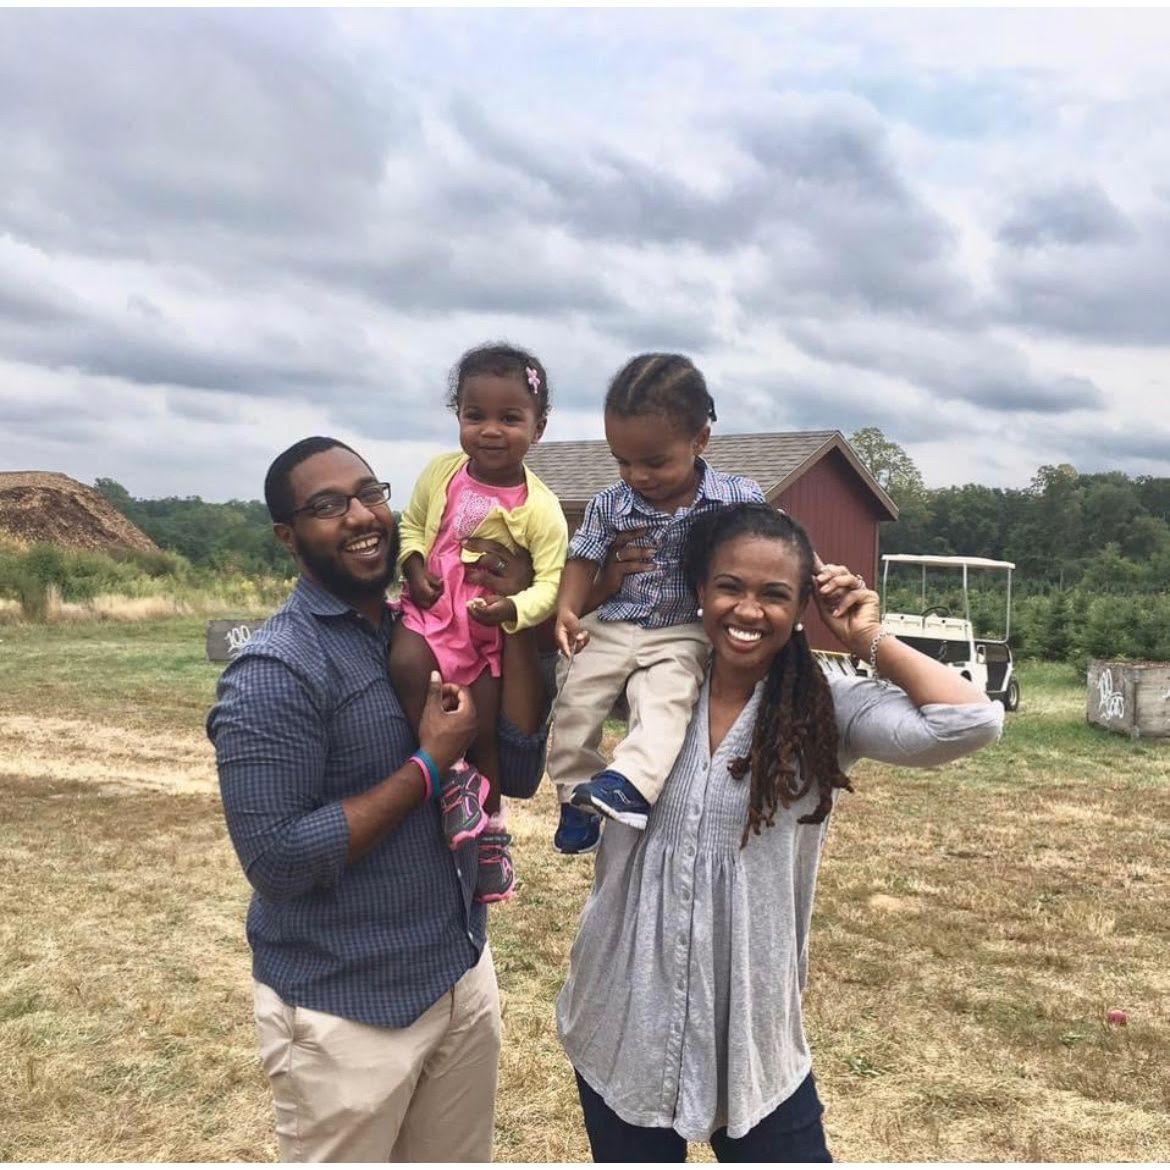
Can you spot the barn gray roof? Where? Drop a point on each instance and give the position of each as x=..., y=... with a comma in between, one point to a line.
x=576, y=471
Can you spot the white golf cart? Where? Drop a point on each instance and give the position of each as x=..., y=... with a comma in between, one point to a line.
x=987, y=662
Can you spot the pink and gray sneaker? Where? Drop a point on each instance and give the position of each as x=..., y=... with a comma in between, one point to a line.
x=496, y=881
x=461, y=801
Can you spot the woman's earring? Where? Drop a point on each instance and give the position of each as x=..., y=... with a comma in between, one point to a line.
x=799, y=626
x=699, y=611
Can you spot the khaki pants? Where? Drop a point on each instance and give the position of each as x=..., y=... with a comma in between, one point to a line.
x=661, y=671
x=351, y=1092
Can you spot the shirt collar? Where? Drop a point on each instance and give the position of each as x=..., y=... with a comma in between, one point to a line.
x=706, y=477
x=318, y=600
x=629, y=499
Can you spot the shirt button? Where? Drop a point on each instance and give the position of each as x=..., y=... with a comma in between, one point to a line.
x=458, y=872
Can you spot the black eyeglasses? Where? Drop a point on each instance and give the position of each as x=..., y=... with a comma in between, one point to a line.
x=334, y=504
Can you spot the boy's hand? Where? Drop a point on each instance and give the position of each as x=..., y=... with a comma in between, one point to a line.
x=425, y=587
x=569, y=634
x=492, y=610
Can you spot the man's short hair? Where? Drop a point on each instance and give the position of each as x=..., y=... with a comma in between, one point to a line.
x=278, y=494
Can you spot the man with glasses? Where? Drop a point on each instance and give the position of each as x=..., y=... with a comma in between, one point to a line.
x=375, y=997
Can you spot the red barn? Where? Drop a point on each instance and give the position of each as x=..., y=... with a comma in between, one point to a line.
x=815, y=476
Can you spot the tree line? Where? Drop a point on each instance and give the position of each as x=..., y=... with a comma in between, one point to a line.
x=1092, y=554
x=235, y=537
x=1106, y=532
x=1092, y=550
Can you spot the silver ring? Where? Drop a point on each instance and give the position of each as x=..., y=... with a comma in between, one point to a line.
x=501, y=564
x=617, y=556
x=860, y=581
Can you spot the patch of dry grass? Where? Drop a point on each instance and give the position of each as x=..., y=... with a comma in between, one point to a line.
x=123, y=975
x=974, y=925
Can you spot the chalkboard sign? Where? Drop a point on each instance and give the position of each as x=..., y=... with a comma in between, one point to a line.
x=226, y=637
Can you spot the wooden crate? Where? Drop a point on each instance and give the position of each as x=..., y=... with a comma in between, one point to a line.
x=1130, y=697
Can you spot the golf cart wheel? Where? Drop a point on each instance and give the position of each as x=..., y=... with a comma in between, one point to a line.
x=1011, y=698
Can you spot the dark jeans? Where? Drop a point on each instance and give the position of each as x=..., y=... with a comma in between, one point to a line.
x=790, y=1133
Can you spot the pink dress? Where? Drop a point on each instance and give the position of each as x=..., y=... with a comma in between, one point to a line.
x=463, y=647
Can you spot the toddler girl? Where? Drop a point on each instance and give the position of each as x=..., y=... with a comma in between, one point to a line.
x=500, y=395
x=646, y=639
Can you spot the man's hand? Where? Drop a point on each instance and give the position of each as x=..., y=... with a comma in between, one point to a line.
x=448, y=725
x=492, y=610
x=498, y=569
x=569, y=634
x=425, y=587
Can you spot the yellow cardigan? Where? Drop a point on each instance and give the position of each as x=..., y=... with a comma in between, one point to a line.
x=538, y=525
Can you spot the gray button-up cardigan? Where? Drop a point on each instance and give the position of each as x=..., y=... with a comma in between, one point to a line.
x=683, y=1002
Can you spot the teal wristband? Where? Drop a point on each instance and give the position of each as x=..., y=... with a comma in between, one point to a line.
x=430, y=770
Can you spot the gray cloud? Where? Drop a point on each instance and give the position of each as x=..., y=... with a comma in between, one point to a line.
x=105, y=348
x=1114, y=289
x=1074, y=214
x=232, y=215
x=816, y=193
x=988, y=374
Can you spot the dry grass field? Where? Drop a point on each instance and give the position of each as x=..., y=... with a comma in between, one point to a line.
x=974, y=926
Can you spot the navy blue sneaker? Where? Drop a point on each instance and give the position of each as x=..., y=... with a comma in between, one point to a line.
x=613, y=795
x=578, y=832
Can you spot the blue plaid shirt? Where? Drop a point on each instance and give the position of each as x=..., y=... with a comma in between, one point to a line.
x=306, y=716
x=659, y=596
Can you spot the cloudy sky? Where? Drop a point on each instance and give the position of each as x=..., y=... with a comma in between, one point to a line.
x=222, y=231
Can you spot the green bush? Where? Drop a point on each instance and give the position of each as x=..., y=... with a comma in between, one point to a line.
x=31, y=576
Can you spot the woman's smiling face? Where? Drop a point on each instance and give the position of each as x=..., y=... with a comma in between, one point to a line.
x=752, y=599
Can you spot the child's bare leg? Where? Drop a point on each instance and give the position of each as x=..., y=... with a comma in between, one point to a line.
x=485, y=751
x=411, y=663
x=495, y=876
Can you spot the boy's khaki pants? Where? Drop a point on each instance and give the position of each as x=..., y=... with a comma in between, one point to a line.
x=661, y=671
x=351, y=1092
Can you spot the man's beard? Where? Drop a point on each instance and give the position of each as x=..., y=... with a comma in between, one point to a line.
x=329, y=572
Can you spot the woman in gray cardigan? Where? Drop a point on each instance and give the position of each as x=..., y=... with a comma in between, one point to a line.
x=682, y=1010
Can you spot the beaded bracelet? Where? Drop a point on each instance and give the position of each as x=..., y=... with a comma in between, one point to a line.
x=429, y=770
x=873, y=649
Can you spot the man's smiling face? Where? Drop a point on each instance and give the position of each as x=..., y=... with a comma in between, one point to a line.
x=352, y=555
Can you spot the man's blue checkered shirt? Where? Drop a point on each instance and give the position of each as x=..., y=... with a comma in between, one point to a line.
x=306, y=716
x=657, y=597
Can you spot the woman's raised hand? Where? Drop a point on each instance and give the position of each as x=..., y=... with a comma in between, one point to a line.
x=850, y=609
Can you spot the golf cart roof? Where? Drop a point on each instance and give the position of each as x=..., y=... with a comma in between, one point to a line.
x=948, y=562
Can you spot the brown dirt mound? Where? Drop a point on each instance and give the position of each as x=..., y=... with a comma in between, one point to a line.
x=45, y=507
